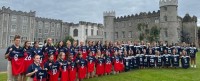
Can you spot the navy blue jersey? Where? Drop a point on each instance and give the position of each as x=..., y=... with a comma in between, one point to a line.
x=100, y=61
x=55, y=67
x=62, y=49
x=81, y=62
x=64, y=64
x=140, y=58
x=185, y=61
x=15, y=52
x=127, y=63
x=76, y=49
x=50, y=49
x=167, y=59
x=135, y=61
x=98, y=47
x=72, y=64
x=146, y=60
x=192, y=51
x=136, y=49
x=116, y=49
x=83, y=49
x=175, y=60
x=93, y=49
x=30, y=52
x=159, y=61
x=169, y=50
x=152, y=60
x=38, y=51
x=32, y=68
x=41, y=75
x=108, y=60
x=154, y=49
x=91, y=59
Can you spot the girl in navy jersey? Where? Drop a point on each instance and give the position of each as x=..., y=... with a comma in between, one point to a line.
x=108, y=63
x=52, y=68
x=76, y=49
x=175, y=59
x=50, y=49
x=72, y=68
x=185, y=60
x=61, y=48
x=33, y=69
x=38, y=51
x=91, y=65
x=82, y=67
x=64, y=67
x=100, y=63
x=116, y=62
x=28, y=60
x=83, y=48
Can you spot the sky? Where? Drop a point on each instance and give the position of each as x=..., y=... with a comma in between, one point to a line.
x=92, y=10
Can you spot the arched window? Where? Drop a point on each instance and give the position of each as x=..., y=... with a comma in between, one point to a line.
x=75, y=32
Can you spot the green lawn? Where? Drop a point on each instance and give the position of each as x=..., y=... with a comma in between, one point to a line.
x=155, y=74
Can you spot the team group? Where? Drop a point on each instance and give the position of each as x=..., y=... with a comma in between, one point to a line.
x=72, y=62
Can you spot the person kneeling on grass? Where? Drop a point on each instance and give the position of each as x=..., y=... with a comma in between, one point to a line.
x=35, y=72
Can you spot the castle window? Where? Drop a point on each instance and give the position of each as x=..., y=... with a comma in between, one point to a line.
x=123, y=34
x=86, y=31
x=13, y=28
x=14, y=18
x=165, y=8
x=165, y=17
x=166, y=33
x=105, y=34
x=24, y=29
x=75, y=32
x=97, y=32
x=92, y=32
x=116, y=35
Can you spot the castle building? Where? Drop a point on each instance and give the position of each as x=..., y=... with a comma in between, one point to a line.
x=173, y=28
x=33, y=28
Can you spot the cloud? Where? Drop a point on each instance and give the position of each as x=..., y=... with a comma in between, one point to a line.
x=92, y=10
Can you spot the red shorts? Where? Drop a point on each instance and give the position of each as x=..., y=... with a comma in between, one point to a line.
x=121, y=66
x=100, y=69
x=82, y=72
x=27, y=63
x=117, y=66
x=54, y=77
x=17, y=66
x=64, y=75
x=84, y=55
x=108, y=68
x=72, y=74
x=90, y=67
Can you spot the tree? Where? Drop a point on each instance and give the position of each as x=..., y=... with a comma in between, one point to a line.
x=143, y=29
x=154, y=34
x=68, y=38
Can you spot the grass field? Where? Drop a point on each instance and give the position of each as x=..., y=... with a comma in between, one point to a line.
x=170, y=74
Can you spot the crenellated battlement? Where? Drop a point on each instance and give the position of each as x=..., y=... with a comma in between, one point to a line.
x=48, y=20
x=137, y=16
x=168, y=2
x=109, y=13
x=8, y=10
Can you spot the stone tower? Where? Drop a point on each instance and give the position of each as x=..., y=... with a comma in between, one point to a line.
x=169, y=21
x=109, y=25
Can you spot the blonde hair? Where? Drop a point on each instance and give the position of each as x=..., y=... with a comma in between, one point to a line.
x=60, y=55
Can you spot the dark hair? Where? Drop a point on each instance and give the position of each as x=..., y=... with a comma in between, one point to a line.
x=17, y=37
x=35, y=42
x=59, y=44
x=25, y=43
